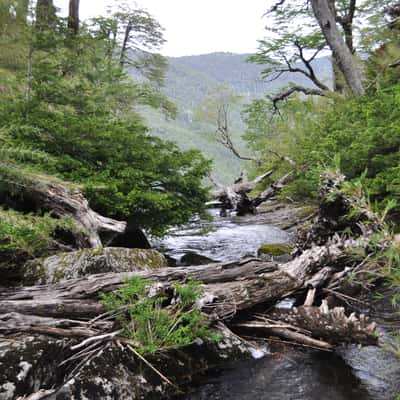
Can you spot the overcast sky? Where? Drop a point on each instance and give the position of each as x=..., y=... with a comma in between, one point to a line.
x=198, y=26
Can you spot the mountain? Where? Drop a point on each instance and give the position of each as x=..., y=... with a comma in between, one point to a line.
x=189, y=82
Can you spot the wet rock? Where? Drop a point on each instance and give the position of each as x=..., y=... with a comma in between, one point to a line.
x=192, y=258
x=80, y=263
x=29, y=364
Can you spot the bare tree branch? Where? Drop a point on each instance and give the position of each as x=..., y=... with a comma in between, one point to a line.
x=307, y=62
x=282, y=157
x=395, y=64
x=224, y=136
x=274, y=7
x=295, y=89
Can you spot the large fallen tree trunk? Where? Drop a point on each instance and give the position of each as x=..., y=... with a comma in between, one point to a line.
x=239, y=295
x=63, y=202
x=228, y=288
x=38, y=193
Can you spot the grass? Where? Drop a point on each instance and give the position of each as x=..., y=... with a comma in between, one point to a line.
x=24, y=236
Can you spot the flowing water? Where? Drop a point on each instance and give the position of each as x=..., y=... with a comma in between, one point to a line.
x=221, y=239
x=353, y=373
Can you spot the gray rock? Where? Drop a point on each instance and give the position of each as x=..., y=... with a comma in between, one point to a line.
x=80, y=263
x=31, y=364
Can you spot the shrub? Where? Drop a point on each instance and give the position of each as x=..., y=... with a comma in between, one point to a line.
x=157, y=321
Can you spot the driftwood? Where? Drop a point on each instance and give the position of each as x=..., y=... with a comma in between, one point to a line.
x=338, y=212
x=273, y=189
x=229, y=289
x=61, y=201
x=320, y=327
x=235, y=197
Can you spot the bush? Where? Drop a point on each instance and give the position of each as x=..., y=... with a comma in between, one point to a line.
x=362, y=132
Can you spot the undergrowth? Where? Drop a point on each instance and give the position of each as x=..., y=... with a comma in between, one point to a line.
x=152, y=322
x=24, y=236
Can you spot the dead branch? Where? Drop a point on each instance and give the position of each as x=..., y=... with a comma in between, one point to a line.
x=224, y=135
x=295, y=89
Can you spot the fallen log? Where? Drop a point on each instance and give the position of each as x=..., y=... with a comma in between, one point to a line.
x=319, y=327
x=235, y=197
x=229, y=288
x=339, y=212
x=38, y=193
x=64, y=202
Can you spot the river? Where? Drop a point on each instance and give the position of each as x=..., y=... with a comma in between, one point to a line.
x=291, y=373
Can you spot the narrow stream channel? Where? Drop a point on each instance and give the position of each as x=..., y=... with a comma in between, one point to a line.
x=353, y=373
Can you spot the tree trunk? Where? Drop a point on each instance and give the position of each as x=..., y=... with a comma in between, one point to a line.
x=45, y=15
x=37, y=194
x=326, y=20
x=230, y=288
x=124, y=48
x=235, y=197
x=73, y=17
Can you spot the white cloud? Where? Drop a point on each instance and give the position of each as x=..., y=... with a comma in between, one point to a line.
x=198, y=26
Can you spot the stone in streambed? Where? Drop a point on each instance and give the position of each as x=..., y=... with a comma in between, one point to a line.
x=81, y=263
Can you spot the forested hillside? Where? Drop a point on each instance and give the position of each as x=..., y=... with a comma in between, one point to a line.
x=205, y=81
x=116, y=279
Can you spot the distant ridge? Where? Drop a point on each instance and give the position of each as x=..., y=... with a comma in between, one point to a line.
x=187, y=83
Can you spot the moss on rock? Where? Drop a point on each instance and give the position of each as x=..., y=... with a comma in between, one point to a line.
x=80, y=263
x=275, y=249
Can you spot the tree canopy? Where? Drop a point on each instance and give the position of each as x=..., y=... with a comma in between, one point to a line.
x=69, y=98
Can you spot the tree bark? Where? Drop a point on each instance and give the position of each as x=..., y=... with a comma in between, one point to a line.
x=229, y=287
x=73, y=16
x=63, y=202
x=45, y=15
x=124, y=47
x=37, y=194
x=235, y=197
x=327, y=21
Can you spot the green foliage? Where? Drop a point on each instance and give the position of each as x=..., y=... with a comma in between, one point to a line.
x=149, y=322
x=75, y=118
x=362, y=132
x=28, y=236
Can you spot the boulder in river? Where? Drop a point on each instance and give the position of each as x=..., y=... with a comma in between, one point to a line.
x=80, y=263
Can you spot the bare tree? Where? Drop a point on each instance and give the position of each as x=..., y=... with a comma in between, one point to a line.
x=223, y=134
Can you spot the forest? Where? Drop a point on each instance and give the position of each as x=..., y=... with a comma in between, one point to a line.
x=87, y=187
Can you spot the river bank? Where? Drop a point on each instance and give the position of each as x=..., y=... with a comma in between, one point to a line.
x=105, y=366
